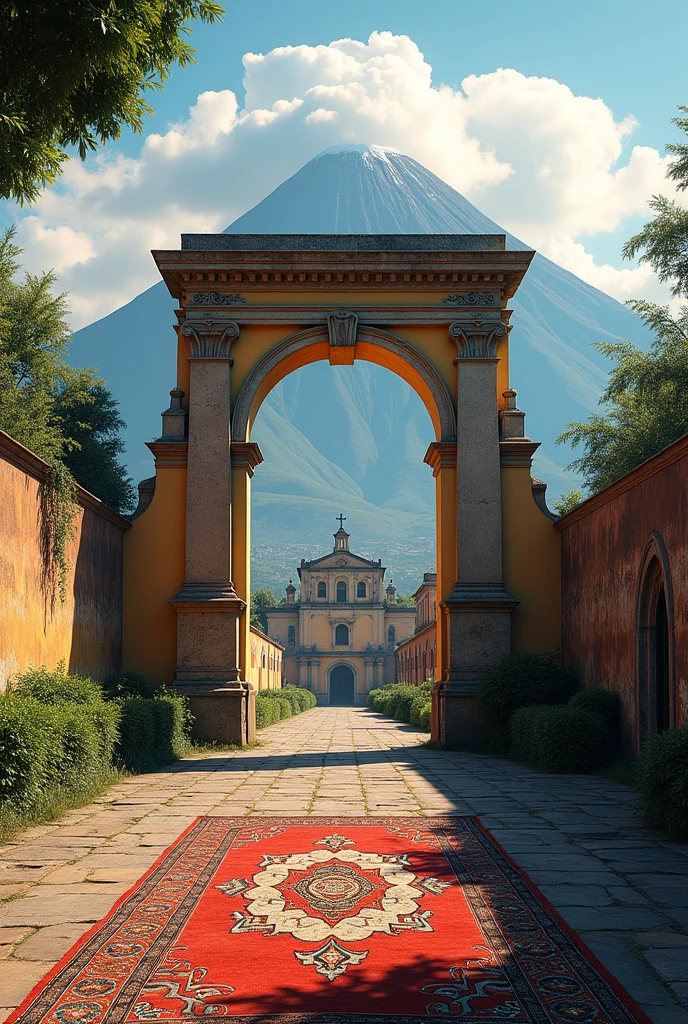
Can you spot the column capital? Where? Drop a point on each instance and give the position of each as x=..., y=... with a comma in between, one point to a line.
x=476, y=337
x=210, y=339
x=246, y=454
x=441, y=455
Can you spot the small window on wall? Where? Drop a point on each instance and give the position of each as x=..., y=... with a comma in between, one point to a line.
x=341, y=636
x=361, y=590
x=341, y=593
x=291, y=636
x=392, y=635
x=322, y=590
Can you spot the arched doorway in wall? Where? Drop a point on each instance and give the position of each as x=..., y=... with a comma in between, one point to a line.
x=654, y=635
x=342, y=686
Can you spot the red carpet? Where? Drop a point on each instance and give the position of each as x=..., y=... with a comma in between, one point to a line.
x=327, y=920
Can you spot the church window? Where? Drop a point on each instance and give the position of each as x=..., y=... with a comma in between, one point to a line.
x=361, y=590
x=291, y=636
x=341, y=636
x=341, y=592
x=391, y=634
x=322, y=589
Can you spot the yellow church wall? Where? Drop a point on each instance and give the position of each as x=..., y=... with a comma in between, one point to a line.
x=154, y=573
x=532, y=565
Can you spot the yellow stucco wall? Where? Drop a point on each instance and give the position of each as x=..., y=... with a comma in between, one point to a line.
x=265, y=661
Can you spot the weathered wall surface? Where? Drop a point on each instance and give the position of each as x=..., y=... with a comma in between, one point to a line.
x=604, y=545
x=265, y=670
x=86, y=631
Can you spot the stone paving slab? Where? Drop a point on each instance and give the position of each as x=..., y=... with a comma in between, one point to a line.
x=580, y=839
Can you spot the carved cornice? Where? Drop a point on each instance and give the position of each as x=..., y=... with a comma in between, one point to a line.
x=216, y=299
x=246, y=454
x=189, y=273
x=309, y=315
x=477, y=338
x=517, y=453
x=169, y=454
x=441, y=455
x=210, y=339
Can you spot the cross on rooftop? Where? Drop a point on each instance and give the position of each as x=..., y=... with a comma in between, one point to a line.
x=342, y=519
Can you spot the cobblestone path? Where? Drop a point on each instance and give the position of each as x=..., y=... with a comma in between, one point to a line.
x=624, y=889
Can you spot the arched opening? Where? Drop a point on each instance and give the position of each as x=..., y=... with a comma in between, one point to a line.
x=291, y=637
x=654, y=641
x=322, y=589
x=360, y=589
x=341, y=592
x=391, y=635
x=342, y=686
x=341, y=636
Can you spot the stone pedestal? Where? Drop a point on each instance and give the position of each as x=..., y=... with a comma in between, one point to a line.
x=226, y=715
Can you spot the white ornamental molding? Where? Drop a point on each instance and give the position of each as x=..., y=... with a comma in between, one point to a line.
x=477, y=338
x=342, y=327
x=210, y=339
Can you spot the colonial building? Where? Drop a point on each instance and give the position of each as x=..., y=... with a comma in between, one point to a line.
x=340, y=636
x=417, y=656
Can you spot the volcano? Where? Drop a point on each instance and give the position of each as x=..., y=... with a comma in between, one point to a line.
x=354, y=437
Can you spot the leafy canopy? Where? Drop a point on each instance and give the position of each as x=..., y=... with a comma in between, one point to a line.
x=62, y=414
x=73, y=74
x=261, y=601
x=645, y=404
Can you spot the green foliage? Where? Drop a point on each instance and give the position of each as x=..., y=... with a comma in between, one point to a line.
x=645, y=403
x=568, y=502
x=46, y=745
x=55, y=686
x=276, y=705
x=663, y=782
x=153, y=732
x=425, y=716
x=519, y=681
x=403, y=701
x=606, y=704
x=559, y=739
x=58, y=512
x=261, y=600
x=74, y=75
x=126, y=684
x=93, y=425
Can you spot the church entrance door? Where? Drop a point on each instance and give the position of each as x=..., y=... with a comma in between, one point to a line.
x=341, y=687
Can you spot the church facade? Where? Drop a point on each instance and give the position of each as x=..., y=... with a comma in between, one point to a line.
x=340, y=635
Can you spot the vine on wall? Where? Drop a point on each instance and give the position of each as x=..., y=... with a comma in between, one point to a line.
x=58, y=512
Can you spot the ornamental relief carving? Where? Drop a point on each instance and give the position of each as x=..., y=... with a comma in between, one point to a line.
x=477, y=339
x=210, y=339
x=342, y=327
x=217, y=299
x=471, y=299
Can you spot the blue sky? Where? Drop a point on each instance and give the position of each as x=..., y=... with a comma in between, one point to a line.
x=564, y=147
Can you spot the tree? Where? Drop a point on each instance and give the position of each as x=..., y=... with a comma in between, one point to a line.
x=64, y=415
x=568, y=502
x=663, y=241
x=261, y=601
x=646, y=401
x=73, y=74
x=92, y=426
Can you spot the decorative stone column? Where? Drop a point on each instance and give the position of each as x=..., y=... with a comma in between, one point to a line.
x=208, y=608
x=478, y=608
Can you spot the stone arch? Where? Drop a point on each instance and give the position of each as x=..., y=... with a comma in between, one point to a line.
x=654, y=636
x=373, y=345
x=342, y=675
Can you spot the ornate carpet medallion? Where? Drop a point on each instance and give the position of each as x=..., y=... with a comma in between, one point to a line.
x=324, y=921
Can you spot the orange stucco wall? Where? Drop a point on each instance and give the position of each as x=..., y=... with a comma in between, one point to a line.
x=86, y=630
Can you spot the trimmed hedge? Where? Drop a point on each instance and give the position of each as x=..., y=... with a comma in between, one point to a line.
x=154, y=731
x=403, y=701
x=44, y=745
x=663, y=782
x=55, y=686
x=275, y=705
x=606, y=704
x=559, y=739
x=519, y=681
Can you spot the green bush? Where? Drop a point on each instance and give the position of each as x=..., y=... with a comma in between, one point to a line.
x=276, y=705
x=663, y=782
x=606, y=704
x=420, y=711
x=559, y=739
x=153, y=732
x=425, y=714
x=397, y=700
x=55, y=686
x=370, y=699
x=44, y=745
x=267, y=711
x=520, y=681
x=126, y=684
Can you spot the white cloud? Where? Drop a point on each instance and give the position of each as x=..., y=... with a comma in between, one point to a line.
x=546, y=164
